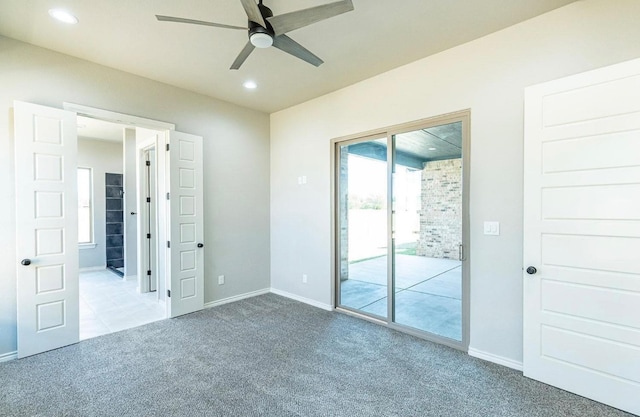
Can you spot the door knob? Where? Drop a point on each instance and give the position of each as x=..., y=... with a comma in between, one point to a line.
x=531, y=270
x=26, y=262
x=200, y=245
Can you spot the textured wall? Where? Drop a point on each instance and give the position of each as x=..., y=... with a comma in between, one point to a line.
x=441, y=211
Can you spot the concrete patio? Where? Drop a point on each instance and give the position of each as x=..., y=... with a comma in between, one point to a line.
x=428, y=292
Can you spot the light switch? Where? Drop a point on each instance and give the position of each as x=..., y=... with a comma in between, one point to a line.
x=492, y=228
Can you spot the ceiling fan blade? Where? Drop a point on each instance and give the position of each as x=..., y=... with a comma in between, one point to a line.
x=253, y=12
x=288, y=45
x=290, y=21
x=244, y=54
x=196, y=22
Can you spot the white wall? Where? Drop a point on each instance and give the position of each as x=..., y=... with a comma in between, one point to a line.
x=102, y=157
x=236, y=151
x=488, y=76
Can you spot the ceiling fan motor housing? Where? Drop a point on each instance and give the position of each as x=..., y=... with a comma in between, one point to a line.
x=260, y=36
x=256, y=27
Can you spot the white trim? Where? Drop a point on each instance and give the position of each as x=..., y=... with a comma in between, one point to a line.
x=115, y=117
x=500, y=360
x=9, y=356
x=236, y=298
x=93, y=268
x=305, y=300
x=130, y=277
x=82, y=246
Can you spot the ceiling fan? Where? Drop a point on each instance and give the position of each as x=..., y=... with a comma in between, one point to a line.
x=266, y=30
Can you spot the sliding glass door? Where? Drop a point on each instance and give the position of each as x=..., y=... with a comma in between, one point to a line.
x=427, y=191
x=401, y=236
x=363, y=236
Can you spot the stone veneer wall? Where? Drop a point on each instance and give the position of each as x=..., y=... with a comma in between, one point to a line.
x=441, y=212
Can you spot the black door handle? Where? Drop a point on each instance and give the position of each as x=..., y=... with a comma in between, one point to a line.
x=531, y=270
x=200, y=245
x=26, y=262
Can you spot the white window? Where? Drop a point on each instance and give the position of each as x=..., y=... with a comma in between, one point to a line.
x=85, y=217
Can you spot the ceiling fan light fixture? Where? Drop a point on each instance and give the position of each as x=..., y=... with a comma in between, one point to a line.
x=63, y=16
x=261, y=40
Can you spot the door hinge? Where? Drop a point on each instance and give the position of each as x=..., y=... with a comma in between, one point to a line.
x=148, y=163
x=149, y=272
x=167, y=196
x=167, y=146
x=148, y=235
x=168, y=243
x=148, y=199
x=169, y=293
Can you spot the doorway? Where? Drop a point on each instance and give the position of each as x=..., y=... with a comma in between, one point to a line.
x=402, y=227
x=113, y=293
x=47, y=235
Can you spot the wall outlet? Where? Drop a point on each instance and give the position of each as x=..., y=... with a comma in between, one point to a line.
x=492, y=228
x=220, y=279
x=302, y=180
x=304, y=278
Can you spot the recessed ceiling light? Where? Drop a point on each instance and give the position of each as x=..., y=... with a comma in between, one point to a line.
x=251, y=85
x=63, y=16
x=432, y=149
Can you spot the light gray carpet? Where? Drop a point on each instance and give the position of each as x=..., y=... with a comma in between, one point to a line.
x=270, y=356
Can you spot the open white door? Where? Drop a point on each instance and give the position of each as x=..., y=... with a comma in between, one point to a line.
x=582, y=234
x=186, y=258
x=47, y=228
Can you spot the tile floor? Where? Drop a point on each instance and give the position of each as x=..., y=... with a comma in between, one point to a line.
x=109, y=304
x=428, y=292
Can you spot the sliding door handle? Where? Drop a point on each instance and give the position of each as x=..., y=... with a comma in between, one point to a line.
x=461, y=254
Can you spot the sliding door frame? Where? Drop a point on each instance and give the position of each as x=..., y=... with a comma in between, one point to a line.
x=463, y=116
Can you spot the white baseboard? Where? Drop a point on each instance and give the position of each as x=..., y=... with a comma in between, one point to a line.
x=236, y=298
x=500, y=360
x=6, y=357
x=130, y=277
x=93, y=268
x=305, y=300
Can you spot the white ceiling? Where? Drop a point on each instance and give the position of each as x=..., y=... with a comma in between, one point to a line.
x=376, y=37
x=89, y=128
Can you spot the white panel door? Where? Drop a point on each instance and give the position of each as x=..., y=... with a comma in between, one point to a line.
x=582, y=234
x=47, y=228
x=186, y=257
